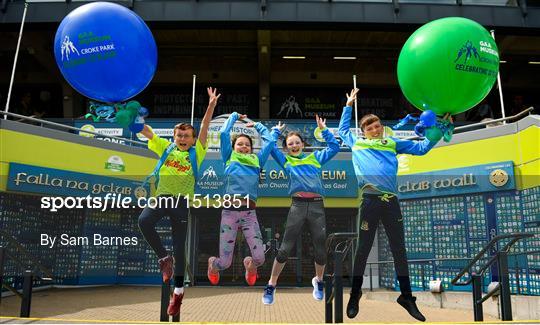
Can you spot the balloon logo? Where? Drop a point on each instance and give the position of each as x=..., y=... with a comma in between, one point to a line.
x=105, y=51
x=448, y=65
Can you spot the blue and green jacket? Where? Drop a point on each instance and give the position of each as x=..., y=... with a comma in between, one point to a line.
x=375, y=160
x=242, y=170
x=304, y=171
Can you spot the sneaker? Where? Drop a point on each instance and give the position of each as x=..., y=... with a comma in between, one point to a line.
x=268, y=297
x=251, y=277
x=166, y=267
x=174, y=304
x=353, y=306
x=318, y=289
x=212, y=276
x=409, y=303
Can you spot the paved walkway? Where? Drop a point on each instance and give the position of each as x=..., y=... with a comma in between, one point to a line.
x=201, y=304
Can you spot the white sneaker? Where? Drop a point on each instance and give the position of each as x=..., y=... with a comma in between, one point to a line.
x=318, y=289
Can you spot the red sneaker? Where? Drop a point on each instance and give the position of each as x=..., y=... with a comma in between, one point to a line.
x=251, y=276
x=212, y=276
x=174, y=304
x=166, y=267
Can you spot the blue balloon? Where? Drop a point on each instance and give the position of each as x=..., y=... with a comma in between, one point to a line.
x=143, y=111
x=428, y=118
x=105, y=51
x=136, y=127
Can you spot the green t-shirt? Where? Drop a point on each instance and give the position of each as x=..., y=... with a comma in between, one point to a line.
x=176, y=175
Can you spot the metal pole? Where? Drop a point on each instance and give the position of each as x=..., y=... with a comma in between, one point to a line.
x=370, y=277
x=193, y=99
x=506, y=303
x=338, y=297
x=15, y=60
x=163, y=316
x=477, y=296
x=188, y=247
x=27, y=294
x=499, y=84
x=355, y=109
x=327, y=299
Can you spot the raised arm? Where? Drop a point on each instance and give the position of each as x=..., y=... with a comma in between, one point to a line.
x=324, y=155
x=212, y=102
x=147, y=132
x=225, y=136
x=278, y=156
x=269, y=142
x=345, y=121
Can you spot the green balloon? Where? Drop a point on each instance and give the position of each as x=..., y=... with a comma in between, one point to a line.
x=434, y=134
x=448, y=65
x=133, y=108
x=123, y=118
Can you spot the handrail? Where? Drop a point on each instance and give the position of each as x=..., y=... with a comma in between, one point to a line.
x=427, y=260
x=480, y=254
x=502, y=119
x=339, y=235
x=493, y=259
x=12, y=290
x=490, y=294
x=70, y=127
x=333, y=283
x=25, y=252
x=459, y=128
x=473, y=125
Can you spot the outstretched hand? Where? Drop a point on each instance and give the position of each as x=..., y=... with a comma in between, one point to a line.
x=213, y=98
x=280, y=127
x=352, y=97
x=321, y=122
x=448, y=117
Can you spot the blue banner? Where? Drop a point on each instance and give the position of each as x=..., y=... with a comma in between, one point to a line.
x=56, y=182
x=474, y=179
x=337, y=176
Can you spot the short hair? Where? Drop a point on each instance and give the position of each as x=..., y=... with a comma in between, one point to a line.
x=184, y=127
x=238, y=136
x=367, y=120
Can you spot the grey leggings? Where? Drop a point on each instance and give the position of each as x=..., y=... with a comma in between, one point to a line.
x=312, y=213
